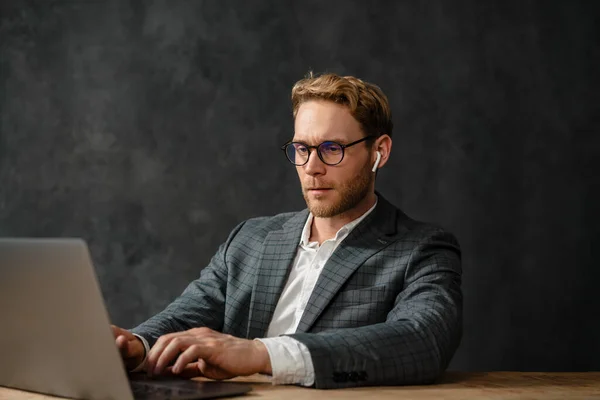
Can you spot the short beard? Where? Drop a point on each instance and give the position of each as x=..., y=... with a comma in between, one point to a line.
x=351, y=194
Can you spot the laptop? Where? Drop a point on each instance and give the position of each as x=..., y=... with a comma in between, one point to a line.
x=56, y=338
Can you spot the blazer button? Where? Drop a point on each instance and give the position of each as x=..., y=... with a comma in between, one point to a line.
x=353, y=376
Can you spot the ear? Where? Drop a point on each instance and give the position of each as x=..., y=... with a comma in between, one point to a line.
x=383, y=145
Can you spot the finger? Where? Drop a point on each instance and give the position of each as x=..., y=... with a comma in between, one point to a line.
x=156, y=350
x=122, y=345
x=120, y=331
x=188, y=372
x=170, y=352
x=121, y=341
x=163, y=341
x=191, y=354
x=155, y=353
x=213, y=372
x=127, y=348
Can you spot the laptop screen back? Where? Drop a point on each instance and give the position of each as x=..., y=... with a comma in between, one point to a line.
x=55, y=335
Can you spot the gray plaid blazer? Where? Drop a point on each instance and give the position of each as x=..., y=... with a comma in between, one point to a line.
x=386, y=309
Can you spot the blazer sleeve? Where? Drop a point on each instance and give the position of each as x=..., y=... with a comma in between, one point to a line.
x=202, y=303
x=419, y=337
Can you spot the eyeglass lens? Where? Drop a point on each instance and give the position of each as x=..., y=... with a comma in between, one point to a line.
x=329, y=152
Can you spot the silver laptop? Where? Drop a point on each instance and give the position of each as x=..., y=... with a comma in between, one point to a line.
x=55, y=336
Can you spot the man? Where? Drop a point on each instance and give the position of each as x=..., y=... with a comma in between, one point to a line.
x=350, y=292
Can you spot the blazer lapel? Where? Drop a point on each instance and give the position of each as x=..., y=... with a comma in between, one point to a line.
x=280, y=248
x=366, y=239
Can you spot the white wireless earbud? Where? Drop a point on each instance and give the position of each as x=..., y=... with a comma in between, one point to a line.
x=376, y=161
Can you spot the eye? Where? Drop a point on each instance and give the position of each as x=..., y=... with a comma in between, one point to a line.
x=300, y=148
x=331, y=148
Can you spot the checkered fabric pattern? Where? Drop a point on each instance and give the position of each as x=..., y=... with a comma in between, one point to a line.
x=386, y=309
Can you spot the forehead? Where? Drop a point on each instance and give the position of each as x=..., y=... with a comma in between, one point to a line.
x=317, y=121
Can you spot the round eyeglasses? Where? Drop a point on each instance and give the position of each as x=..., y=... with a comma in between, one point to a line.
x=331, y=153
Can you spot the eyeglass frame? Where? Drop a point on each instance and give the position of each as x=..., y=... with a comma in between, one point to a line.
x=342, y=146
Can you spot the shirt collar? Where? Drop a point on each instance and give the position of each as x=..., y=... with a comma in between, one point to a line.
x=341, y=233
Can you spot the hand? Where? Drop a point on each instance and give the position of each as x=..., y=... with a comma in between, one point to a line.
x=131, y=347
x=204, y=352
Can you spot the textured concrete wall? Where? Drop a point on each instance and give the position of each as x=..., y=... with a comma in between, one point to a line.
x=151, y=128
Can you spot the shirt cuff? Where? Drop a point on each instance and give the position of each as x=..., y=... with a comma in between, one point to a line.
x=290, y=361
x=141, y=366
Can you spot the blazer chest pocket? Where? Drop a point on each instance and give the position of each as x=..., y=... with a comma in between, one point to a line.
x=355, y=297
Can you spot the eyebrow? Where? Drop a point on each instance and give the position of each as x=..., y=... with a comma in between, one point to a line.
x=334, y=139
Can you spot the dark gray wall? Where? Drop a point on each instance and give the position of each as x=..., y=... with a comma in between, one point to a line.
x=151, y=128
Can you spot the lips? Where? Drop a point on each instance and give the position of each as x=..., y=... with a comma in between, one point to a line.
x=318, y=192
x=317, y=188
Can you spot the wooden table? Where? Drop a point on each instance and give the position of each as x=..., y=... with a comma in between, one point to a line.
x=454, y=385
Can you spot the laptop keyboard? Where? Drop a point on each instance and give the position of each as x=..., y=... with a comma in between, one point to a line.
x=156, y=390
x=161, y=388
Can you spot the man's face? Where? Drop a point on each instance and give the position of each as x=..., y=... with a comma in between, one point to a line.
x=332, y=190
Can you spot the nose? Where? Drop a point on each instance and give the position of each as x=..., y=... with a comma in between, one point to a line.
x=314, y=166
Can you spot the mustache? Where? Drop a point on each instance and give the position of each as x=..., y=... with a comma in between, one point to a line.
x=317, y=185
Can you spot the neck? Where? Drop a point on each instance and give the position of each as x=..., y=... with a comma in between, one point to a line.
x=323, y=229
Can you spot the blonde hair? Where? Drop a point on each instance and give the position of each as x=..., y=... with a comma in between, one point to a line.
x=366, y=102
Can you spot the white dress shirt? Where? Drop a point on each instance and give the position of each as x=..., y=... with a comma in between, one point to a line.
x=290, y=359
x=291, y=362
